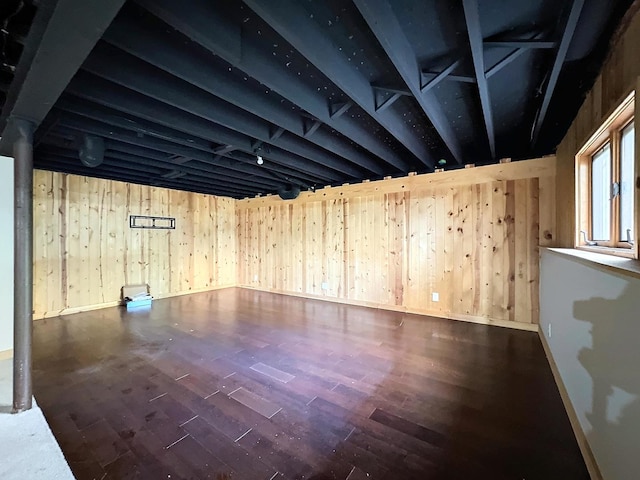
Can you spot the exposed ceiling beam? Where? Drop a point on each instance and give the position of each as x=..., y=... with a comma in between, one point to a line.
x=203, y=23
x=447, y=72
x=65, y=33
x=450, y=76
x=147, y=158
x=105, y=131
x=518, y=48
x=384, y=24
x=125, y=101
x=438, y=77
x=66, y=165
x=310, y=126
x=224, y=149
x=69, y=103
x=197, y=67
x=381, y=102
x=528, y=44
x=504, y=62
x=290, y=19
x=385, y=96
x=141, y=166
x=340, y=108
x=132, y=165
x=398, y=90
x=275, y=132
x=151, y=162
x=122, y=99
x=561, y=54
x=141, y=127
x=119, y=67
x=472, y=19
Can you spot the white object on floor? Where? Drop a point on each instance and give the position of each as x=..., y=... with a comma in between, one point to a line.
x=28, y=449
x=6, y=384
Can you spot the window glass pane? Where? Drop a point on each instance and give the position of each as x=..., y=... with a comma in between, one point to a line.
x=626, y=183
x=601, y=194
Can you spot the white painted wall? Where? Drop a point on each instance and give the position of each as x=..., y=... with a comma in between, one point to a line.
x=6, y=253
x=595, y=342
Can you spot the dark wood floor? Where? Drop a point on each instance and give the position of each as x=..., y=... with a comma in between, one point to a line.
x=248, y=385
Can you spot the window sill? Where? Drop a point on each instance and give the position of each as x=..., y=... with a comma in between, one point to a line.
x=616, y=252
x=622, y=266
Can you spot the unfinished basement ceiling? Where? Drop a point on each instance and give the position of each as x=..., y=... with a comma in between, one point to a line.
x=188, y=95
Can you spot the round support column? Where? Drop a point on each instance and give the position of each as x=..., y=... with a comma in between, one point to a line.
x=23, y=265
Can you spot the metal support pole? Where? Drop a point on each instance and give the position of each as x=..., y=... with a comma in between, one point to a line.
x=23, y=265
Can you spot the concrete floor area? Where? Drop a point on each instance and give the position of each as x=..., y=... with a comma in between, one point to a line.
x=28, y=447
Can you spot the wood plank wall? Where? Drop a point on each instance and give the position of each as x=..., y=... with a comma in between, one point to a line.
x=84, y=250
x=618, y=77
x=469, y=235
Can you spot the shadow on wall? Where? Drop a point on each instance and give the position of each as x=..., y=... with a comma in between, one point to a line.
x=613, y=362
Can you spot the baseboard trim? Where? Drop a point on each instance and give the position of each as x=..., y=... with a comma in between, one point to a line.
x=583, y=444
x=395, y=308
x=6, y=354
x=196, y=290
x=98, y=306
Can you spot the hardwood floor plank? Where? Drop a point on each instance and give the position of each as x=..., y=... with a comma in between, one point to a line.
x=271, y=372
x=255, y=402
x=104, y=442
x=418, y=431
x=193, y=389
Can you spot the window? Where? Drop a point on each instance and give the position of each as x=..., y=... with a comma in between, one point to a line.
x=606, y=193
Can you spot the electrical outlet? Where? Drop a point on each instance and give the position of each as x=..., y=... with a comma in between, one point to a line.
x=325, y=286
x=549, y=330
x=435, y=296
x=255, y=278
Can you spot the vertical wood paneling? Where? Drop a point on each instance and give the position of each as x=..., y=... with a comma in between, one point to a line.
x=475, y=244
x=84, y=250
x=618, y=77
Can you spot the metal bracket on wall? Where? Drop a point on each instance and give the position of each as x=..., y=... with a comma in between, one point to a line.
x=145, y=221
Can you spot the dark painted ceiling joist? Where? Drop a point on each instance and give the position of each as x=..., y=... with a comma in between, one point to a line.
x=190, y=95
x=150, y=163
x=192, y=66
x=383, y=23
x=340, y=108
x=140, y=166
x=97, y=128
x=116, y=97
x=504, y=62
x=162, y=148
x=385, y=96
x=113, y=173
x=437, y=77
x=125, y=101
x=142, y=127
x=561, y=54
x=151, y=169
x=472, y=19
x=520, y=44
x=114, y=65
x=67, y=32
x=448, y=76
x=224, y=149
x=203, y=23
x=291, y=21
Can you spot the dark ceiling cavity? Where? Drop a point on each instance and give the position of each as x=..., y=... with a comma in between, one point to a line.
x=261, y=96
